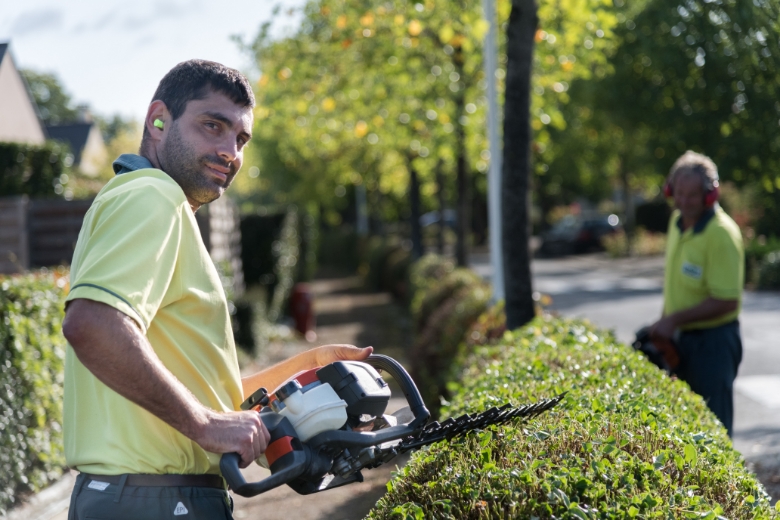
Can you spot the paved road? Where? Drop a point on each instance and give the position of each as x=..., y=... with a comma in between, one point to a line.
x=626, y=294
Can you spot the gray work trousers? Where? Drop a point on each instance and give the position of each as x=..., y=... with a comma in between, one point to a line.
x=95, y=500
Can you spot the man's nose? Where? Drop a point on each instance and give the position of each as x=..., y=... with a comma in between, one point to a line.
x=228, y=149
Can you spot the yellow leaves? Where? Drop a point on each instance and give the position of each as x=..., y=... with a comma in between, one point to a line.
x=567, y=66
x=361, y=129
x=444, y=118
x=378, y=121
x=262, y=112
x=446, y=33
x=480, y=29
x=540, y=35
x=328, y=104
x=263, y=81
x=301, y=106
x=367, y=19
x=399, y=19
x=341, y=21
x=284, y=74
x=415, y=28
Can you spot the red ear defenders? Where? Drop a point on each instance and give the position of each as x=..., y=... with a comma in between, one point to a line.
x=710, y=197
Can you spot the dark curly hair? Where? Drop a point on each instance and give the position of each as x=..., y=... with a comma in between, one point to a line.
x=194, y=79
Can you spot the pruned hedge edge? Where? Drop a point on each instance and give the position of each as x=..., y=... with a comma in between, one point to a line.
x=627, y=441
x=32, y=353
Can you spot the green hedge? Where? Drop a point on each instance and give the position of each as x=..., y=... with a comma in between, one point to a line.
x=31, y=170
x=446, y=301
x=32, y=351
x=627, y=441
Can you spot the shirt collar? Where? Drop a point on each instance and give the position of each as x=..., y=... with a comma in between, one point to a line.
x=701, y=223
x=130, y=162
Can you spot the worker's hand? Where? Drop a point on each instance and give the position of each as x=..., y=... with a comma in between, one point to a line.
x=663, y=328
x=327, y=354
x=234, y=432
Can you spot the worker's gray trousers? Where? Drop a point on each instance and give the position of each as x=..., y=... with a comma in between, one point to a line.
x=93, y=500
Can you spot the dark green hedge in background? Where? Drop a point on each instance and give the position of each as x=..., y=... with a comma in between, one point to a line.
x=32, y=351
x=31, y=170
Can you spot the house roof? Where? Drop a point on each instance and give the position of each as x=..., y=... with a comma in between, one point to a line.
x=75, y=134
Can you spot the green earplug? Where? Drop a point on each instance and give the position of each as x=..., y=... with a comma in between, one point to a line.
x=158, y=123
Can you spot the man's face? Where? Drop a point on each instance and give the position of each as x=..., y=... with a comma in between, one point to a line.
x=204, y=147
x=689, y=196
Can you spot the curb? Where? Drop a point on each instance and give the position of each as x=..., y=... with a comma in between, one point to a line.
x=48, y=503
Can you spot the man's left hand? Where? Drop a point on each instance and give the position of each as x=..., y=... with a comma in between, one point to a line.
x=327, y=354
x=663, y=328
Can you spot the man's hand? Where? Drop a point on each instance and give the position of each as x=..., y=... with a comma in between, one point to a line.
x=327, y=354
x=235, y=432
x=663, y=328
x=274, y=376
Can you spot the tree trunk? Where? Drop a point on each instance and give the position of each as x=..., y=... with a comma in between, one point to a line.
x=440, y=195
x=521, y=29
x=414, y=202
x=464, y=220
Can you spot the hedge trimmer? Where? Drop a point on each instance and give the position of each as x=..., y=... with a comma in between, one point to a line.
x=329, y=423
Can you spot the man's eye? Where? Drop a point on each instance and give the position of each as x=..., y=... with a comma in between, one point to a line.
x=211, y=125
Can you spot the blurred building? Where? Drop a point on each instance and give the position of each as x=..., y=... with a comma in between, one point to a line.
x=19, y=120
x=85, y=141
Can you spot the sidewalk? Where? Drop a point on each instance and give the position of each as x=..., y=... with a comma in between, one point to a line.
x=345, y=314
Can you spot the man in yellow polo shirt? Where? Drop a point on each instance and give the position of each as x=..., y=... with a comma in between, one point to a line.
x=703, y=285
x=152, y=386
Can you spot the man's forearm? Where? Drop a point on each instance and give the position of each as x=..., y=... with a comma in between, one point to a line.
x=274, y=376
x=111, y=346
x=709, y=309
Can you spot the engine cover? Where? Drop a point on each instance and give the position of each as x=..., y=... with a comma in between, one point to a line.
x=359, y=385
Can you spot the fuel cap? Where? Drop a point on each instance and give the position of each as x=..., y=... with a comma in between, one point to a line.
x=288, y=389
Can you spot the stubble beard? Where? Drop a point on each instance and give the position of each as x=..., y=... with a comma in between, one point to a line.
x=180, y=161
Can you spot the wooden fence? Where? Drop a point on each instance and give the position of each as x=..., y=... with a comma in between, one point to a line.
x=43, y=233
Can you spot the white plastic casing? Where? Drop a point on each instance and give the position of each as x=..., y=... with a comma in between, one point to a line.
x=316, y=411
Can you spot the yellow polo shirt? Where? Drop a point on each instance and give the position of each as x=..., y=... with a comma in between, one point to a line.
x=706, y=260
x=140, y=251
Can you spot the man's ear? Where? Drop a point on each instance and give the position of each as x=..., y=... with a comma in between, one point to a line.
x=157, y=119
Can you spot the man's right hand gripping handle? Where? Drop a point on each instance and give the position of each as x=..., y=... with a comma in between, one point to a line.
x=234, y=432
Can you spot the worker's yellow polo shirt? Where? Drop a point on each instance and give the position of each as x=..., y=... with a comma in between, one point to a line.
x=706, y=260
x=140, y=251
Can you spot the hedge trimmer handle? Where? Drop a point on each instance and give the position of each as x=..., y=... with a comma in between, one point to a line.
x=413, y=397
x=292, y=464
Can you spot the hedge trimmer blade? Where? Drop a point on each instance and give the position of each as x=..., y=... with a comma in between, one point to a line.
x=453, y=428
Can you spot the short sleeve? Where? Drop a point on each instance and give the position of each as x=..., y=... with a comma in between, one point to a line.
x=725, y=267
x=127, y=252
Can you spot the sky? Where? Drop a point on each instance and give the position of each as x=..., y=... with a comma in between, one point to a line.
x=110, y=54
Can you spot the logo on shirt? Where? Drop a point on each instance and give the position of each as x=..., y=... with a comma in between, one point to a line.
x=180, y=510
x=694, y=271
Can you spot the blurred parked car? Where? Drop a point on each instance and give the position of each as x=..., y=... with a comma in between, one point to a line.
x=576, y=234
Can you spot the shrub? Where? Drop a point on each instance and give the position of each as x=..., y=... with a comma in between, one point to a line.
x=443, y=309
x=626, y=442
x=386, y=266
x=755, y=252
x=32, y=351
x=32, y=170
x=769, y=274
x=644, y=243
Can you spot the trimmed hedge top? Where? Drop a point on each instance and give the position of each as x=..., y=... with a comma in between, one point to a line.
x=626, y=442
